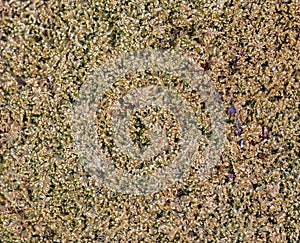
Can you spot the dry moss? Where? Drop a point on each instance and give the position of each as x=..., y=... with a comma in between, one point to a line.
x=251, y=52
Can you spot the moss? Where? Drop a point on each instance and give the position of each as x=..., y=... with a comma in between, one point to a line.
x=48, y=50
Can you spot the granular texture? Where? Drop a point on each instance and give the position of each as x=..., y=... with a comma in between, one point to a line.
x=250, y=51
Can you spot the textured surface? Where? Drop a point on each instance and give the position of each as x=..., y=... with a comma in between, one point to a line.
x=250, y=50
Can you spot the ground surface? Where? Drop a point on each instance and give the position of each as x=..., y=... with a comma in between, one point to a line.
x=249, y=49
